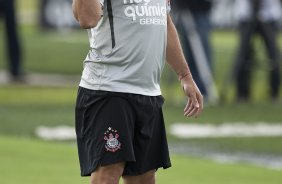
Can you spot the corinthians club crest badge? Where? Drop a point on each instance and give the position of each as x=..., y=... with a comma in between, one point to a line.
x=111, y=136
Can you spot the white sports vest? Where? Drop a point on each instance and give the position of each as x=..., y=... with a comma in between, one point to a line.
x=127, y=47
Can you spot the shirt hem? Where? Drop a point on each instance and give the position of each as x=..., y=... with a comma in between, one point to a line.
x=120, y=90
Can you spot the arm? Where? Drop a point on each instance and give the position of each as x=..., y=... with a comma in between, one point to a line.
x=176, y=60
x=87, y=12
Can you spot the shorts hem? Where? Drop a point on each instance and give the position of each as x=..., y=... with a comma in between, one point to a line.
x=136, y=173
x=101, y=163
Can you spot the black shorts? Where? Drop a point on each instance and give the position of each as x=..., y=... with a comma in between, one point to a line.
x=116, y=127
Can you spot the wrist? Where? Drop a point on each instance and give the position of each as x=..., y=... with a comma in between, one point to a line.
x=184, y=76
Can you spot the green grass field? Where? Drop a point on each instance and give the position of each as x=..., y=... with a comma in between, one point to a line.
x=24, y=158
x=25, y=108
x=31, y=161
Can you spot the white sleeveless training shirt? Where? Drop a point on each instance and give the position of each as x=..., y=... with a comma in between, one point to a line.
x=127, y=47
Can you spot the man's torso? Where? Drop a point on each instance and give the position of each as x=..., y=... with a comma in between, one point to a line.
x=127, y=47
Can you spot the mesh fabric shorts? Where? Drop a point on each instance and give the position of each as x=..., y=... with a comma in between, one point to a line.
x=116, y=127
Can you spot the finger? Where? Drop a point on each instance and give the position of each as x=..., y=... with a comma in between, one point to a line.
x=201, y=103
x=198, y=112
x=189, y=110
x=187, y=105
x=201, y=100
x=190, y=107
x=195, y=101
x=193, y=112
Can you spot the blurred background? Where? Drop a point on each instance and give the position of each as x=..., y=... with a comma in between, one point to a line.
x=233, y=50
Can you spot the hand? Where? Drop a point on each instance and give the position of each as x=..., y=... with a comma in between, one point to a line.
x=195, y=102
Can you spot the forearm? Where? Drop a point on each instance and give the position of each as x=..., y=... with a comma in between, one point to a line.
x=174, y=54
x=87, y=12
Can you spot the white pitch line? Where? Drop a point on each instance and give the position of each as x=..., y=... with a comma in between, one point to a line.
x=240, y=129
x=184, y=130
x=56, y=133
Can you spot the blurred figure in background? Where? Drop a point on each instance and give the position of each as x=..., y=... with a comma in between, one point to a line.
x=192, y=19
x=7, y=12
x=256, y=16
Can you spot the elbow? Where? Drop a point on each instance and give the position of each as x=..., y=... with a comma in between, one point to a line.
x=87, y=24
